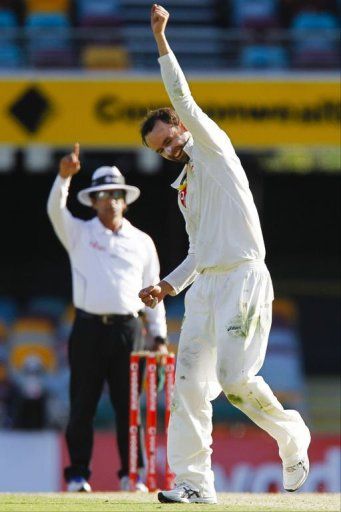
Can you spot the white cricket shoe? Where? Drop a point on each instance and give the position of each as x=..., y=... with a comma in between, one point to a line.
x=78, y=484
x=295, y=476
x=139, y=486
x=183, y=493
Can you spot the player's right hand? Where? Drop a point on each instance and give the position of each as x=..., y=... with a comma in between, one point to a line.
x=70, y=164
x=151, y=295
x=159, y=19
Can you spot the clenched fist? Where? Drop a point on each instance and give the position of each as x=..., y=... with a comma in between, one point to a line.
x=159, y=19
x=70, y=164
x=152, y=295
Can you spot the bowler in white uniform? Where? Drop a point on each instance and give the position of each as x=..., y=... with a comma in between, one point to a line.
x=228, y=308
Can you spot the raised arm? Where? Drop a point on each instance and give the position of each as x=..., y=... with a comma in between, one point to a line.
x=204, y=130
x=65, y=225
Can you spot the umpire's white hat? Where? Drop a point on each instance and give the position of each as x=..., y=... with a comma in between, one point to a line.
x=108, y=178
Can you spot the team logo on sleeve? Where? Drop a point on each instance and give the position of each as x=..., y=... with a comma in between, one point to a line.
x=182, y=188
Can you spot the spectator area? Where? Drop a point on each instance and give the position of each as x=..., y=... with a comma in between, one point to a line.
x=215, y=35
x=34, y=370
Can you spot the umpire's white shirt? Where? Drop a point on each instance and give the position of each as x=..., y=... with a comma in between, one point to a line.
x=221, y=218
x=108, y=269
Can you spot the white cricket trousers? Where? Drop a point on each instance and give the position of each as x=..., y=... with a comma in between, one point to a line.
x=222, y=347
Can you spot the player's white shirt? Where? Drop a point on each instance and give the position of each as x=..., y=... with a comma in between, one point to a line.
x=108, y=269
x=221, y=218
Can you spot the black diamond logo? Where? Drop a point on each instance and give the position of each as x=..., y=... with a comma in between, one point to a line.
x=31, y=109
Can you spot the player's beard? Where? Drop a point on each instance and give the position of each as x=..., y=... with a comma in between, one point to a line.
x=183, y=157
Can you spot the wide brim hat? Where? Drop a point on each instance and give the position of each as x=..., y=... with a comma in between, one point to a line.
x=108, y=178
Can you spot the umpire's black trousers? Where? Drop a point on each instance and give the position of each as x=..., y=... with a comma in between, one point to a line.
x=99, y=352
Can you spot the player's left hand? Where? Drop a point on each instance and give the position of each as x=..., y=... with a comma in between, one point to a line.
x=159, y=19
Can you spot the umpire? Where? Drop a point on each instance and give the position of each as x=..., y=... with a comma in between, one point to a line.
x=111, y=261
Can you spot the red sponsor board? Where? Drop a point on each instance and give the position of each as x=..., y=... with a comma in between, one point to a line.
x=244, y=460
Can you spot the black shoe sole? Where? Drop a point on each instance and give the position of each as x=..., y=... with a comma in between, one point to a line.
x=163, y=499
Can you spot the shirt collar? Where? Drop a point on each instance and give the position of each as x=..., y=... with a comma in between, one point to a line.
x=125, y=230
x=188, y=149
x=177, y=182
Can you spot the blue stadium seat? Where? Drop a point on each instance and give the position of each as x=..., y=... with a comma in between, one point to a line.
x=7, y=19
x=315, y=39
x=8, y=310
x=47, y=19
x=46, y=307
x=263, y=56
x=102, y=13
x=255, y=14
x=49, y=40
x=11, y=56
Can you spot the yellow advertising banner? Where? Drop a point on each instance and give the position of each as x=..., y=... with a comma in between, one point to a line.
x=108, y=112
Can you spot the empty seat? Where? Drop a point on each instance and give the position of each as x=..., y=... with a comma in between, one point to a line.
x=62, y=6
x=255, y=14
x=7, y=19
x=11, y=56
x=99, y=13
x=105, y=57
x=263, y=56
x=8, y=310
x=315, y=39
x=46, y=307
x=49, y=40
x=32, y=337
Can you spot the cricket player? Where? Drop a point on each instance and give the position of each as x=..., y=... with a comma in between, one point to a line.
x=228, y=308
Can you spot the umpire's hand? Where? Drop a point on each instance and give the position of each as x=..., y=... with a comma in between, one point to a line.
x=160, y=345
x=70, y=164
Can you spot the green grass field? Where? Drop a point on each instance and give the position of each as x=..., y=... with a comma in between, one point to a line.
x=137, y=502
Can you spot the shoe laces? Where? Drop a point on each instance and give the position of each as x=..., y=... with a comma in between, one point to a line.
x=291, y=469
x=182, y=484
x=188, y=492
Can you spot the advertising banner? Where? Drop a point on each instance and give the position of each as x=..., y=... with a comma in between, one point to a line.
x=107, y=112
x=243, y=461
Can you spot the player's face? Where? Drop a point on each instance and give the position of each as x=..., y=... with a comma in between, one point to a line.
x=168, y=141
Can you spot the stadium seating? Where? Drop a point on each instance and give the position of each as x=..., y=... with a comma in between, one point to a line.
x=8, y=310
x=62, y=6
x=7, y=19
x=46, y=307
x=49, y=40
x=315, y=39
x=101, y=13
x=256, y=15
x=32, y=337
x=263, y=56
x=216, y=35
x=97, y=57
x=11, y=56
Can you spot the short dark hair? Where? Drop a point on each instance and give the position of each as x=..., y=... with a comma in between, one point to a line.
x=166, y=115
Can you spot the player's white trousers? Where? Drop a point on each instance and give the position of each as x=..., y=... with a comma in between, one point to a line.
x=222, y=347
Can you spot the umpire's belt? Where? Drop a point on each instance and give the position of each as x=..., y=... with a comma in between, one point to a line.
x=105, y=319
